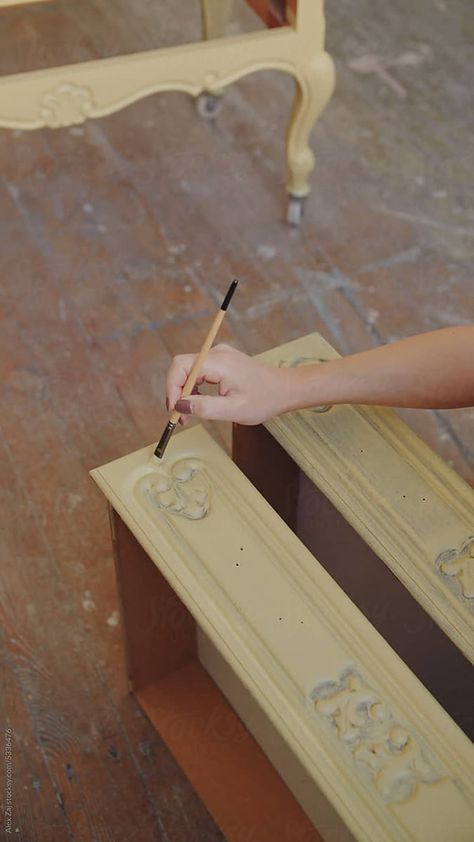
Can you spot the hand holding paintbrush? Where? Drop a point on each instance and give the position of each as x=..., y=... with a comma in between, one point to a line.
x=432, y=370
x=194, y=373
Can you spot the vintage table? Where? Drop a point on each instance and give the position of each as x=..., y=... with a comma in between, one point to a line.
x=293, y=42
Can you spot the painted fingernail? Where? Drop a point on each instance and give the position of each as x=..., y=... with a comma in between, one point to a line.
x=184, y=407
x=167, y=404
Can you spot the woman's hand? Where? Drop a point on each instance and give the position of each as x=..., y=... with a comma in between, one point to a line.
x=433, y=371
x=249, y=391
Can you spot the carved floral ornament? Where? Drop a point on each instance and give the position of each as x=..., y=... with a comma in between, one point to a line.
x=183, y=490
x=396, y=762
x=460, y=565
x=66, y=105
x=295, y=363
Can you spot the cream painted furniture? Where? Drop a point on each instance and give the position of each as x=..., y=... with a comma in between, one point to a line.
x=21, y=2
x=65, y=96
x=214, y=584
x=413, y=510
x=387, y=518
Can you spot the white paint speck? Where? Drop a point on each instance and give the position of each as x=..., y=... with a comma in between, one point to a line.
x=420, y=180
x=73, y=500
x=13, y=191
x=88, y=603
x=266, y=252
x=102, y=228
x=372, y=316
x=113, y=619
x=439, y=194
x=188, y=288
x=180, y=248
x=88, y=208
x=77, y=131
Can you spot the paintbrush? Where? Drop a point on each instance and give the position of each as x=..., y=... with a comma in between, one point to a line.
x=194, y=373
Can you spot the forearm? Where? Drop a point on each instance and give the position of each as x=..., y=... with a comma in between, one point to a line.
x=433, y=370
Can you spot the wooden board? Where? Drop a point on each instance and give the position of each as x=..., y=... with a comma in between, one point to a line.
x=378, y=747
x=414, y=511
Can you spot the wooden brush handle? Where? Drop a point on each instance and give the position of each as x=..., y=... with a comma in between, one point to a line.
x=194, y=373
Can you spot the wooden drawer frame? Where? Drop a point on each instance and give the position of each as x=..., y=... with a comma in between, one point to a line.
x=362, y=745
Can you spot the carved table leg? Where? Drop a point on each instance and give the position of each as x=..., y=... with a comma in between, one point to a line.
x=371, y=585
x=314, y=86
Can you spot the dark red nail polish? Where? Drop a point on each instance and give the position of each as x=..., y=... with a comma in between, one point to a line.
x=184, y=407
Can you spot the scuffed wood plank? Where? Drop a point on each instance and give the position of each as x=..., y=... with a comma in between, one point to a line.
x=129, y=754
x=36, y=807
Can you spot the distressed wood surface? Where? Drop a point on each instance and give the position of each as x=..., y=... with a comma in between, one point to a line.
x=413, y=510
x=117, y=241
x=378, y=747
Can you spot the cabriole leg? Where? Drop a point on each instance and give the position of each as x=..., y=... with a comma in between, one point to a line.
x=314, y=86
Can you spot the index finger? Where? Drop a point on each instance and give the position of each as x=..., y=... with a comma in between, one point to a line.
x=177, y=375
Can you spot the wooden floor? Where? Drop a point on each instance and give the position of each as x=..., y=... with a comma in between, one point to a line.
x=117, y=240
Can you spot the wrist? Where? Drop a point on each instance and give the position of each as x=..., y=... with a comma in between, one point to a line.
x=308, y=386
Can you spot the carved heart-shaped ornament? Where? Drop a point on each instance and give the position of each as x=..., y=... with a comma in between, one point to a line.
x=183, y=490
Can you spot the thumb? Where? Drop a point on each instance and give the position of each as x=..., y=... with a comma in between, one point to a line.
x=216, y=408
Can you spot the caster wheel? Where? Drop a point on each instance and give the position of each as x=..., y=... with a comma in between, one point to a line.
x=209, y=105
x=295, y=211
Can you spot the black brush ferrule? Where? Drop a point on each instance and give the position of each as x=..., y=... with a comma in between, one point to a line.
x=163, y=442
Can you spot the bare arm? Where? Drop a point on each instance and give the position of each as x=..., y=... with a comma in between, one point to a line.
x=431, y=370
